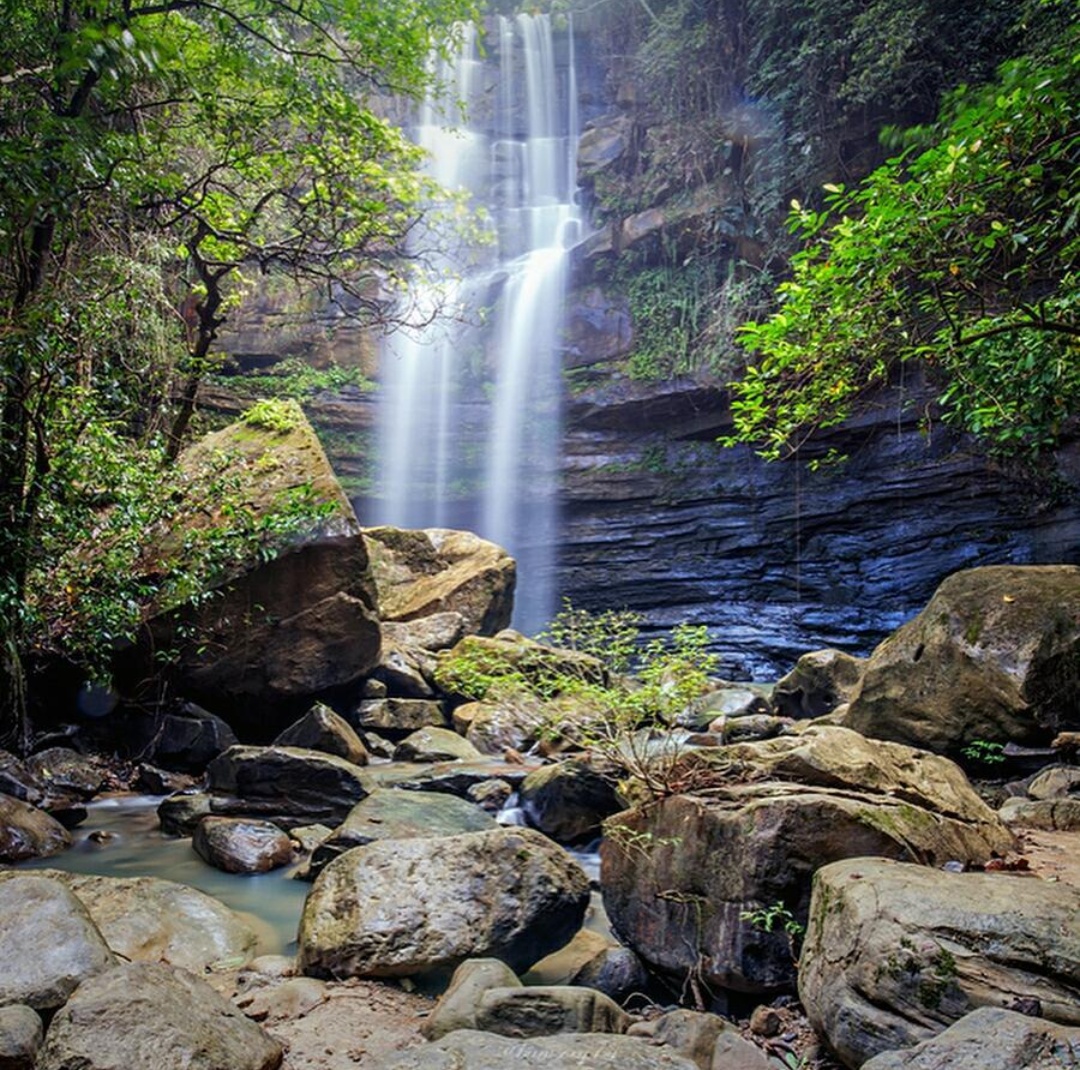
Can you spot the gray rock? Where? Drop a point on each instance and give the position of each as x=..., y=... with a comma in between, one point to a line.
x=18, y=781
x=456, y=1008
x=820, y=681
x=154, y=781
x=406, y=671
x=190, y=739
x=391, y=814
x=1061, y=815
x=65, y=772
x=510, y=723
x=148, y=919
x=894, y=953
x=569, y=800
x=491, y=795
x=21, y=1033
x=179, y=814
x=398, y=714
x=310, y=786
x=26, y=832
x=48, y=943
x=435, y=745
x=993, y=656
x=437, y=631
x=240, y=845
x=467, y=1049
x=324, y=730
x=144, y=1016
x=615, y=971
x=793, y=804
x=1057, y=782
x=542, y=1011
x=990, y=1038
x=422, y=573
x=706, y=1038
x=402, y=907
x=451, y=778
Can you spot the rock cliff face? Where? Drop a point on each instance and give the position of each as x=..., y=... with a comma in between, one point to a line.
x=774, y=558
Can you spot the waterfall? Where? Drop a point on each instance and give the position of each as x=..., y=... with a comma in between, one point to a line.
x=470, y=422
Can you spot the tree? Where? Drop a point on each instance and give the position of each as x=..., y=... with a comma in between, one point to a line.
x=152, y=154
x=960, y=253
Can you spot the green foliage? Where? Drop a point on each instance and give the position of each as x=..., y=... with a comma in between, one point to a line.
x=153, y=157
x=984, y=752
x=623, y=720
x=272, y=414
x=774, y=917
x=295, y=378
x=963, y=256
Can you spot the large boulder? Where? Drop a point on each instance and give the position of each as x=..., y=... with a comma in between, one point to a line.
x=895, y=953
x=994, y=656
x=401, y=907
x=718, y=885
x=990, y=1038
x=49, y=944
x=27, y=832
x=422, y=573
x=143, y=1016
x=297, y=615
x=294, y=784
x=148, y=919
x=66, y=773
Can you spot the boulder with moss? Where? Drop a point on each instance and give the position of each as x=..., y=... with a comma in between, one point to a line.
x=289, y=612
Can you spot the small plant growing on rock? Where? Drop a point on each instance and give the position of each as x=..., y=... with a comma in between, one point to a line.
x=984, y=752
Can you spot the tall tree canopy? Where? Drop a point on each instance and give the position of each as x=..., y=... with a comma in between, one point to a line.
x=152, y=154
x=962, y=252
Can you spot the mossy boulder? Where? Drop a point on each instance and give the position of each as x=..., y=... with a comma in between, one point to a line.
x=292, y=615
x=994, y=656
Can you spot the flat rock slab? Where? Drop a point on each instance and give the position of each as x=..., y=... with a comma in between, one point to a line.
x=144, y=1016
x=466, y=1049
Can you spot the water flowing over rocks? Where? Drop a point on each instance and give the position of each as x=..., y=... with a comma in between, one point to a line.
x=683, y=876
x=401, y=907
x=143, y=1016
x=994, y=656
x=894, y=953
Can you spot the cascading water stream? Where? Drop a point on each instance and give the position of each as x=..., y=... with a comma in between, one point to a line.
x=471, y=419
